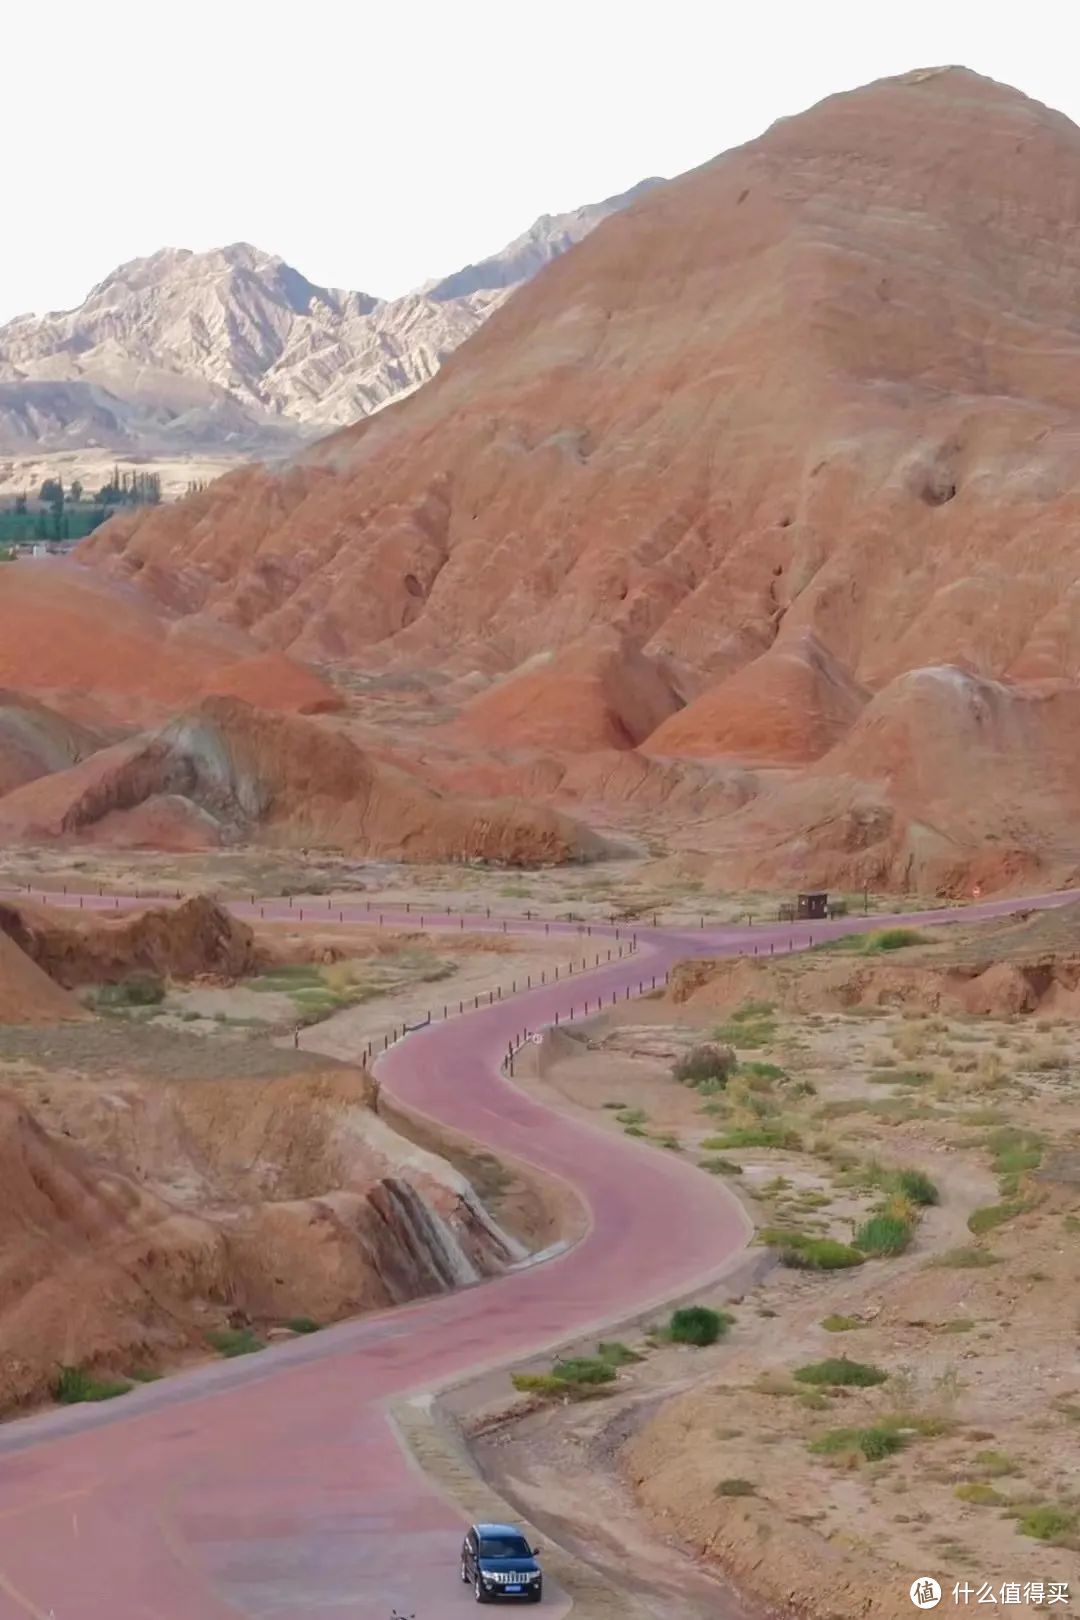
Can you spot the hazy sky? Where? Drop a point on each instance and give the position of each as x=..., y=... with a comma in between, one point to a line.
x=377, y=145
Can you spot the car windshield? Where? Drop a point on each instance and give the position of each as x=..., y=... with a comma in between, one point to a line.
x=504, y=1547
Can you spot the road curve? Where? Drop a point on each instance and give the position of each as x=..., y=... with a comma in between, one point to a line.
x=273, y=1487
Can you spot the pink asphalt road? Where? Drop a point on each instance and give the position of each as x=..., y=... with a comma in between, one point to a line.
x=274, y=1486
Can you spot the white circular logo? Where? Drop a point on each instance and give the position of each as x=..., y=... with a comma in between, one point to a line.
x=925, y=1592
x=537, y=1040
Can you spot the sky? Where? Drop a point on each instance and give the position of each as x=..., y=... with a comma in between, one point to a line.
x=374, y=146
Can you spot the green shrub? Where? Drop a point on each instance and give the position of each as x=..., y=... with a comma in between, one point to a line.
x=632, y=1116
x=1048, y=1523
x=735, y=1487
x=1014, y=1152
x=839, y=1372
x=303, y=1324
x=840, y=1324
x=697, y=1324
x=883, y=1235
x=709, y=1066
x=875, y=1444
x=721, y=1167
x=634, y=1130
x=756, y=1070
x=73, y=1385
x=230, y=1342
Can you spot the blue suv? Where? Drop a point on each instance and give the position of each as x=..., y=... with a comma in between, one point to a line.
x=499, y=1563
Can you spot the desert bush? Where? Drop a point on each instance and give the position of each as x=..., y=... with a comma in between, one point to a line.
x=840, y=1324
x=917, y=1187
x=883, y=1235
x=137, y=990
x=979, y=1494
x=698, y=1325
x=708, y=1067
x=722, y=1167
x=303, y=1324
x=584, y=1370
x=875, y=1443
x=735, y=1487
x=838, y=1371
x=993, y=1464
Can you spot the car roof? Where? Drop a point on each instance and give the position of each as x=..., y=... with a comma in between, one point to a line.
x=497, y=1529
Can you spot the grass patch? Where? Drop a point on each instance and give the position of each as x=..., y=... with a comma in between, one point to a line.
x=634, y=1130
x=840, y=1324
x=698, y=1325
x=978, y=1493
x=1048, y=1523
x=883, y=1235
x=993, y=1215
x=617, y=1354
x=893, y=939
x=303, y=1324
x=735, y=1487
x=230, y=1342
x=144, y=1375
x=749, y=1026
x=993, y=1464
x=632, y=1116
x=584, y=1370
x=73, y=1385
x=840, y=1373
x=805, y=1253
x=899, y=1077
x=970, y=1258
x=721, y=1167
x=766, y=1135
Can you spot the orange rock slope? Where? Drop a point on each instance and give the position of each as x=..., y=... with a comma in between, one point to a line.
x=98, y=649
x=794, y=426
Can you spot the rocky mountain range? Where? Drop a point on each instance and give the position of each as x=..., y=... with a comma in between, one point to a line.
x=235, y=349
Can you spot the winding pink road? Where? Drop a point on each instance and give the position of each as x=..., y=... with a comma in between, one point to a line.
x=274, y=1486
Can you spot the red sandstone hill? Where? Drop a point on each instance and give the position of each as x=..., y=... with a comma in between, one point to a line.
x=823, y=392
x=829, y=380
x=225, y=771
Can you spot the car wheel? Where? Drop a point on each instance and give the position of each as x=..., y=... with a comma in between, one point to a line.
x=536, y=1594
x=464, y=1572
x=478, y=1591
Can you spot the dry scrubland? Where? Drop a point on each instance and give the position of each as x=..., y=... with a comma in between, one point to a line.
x=895, y=1389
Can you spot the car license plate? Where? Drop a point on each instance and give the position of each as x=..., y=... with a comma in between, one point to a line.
x=513, y=1588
